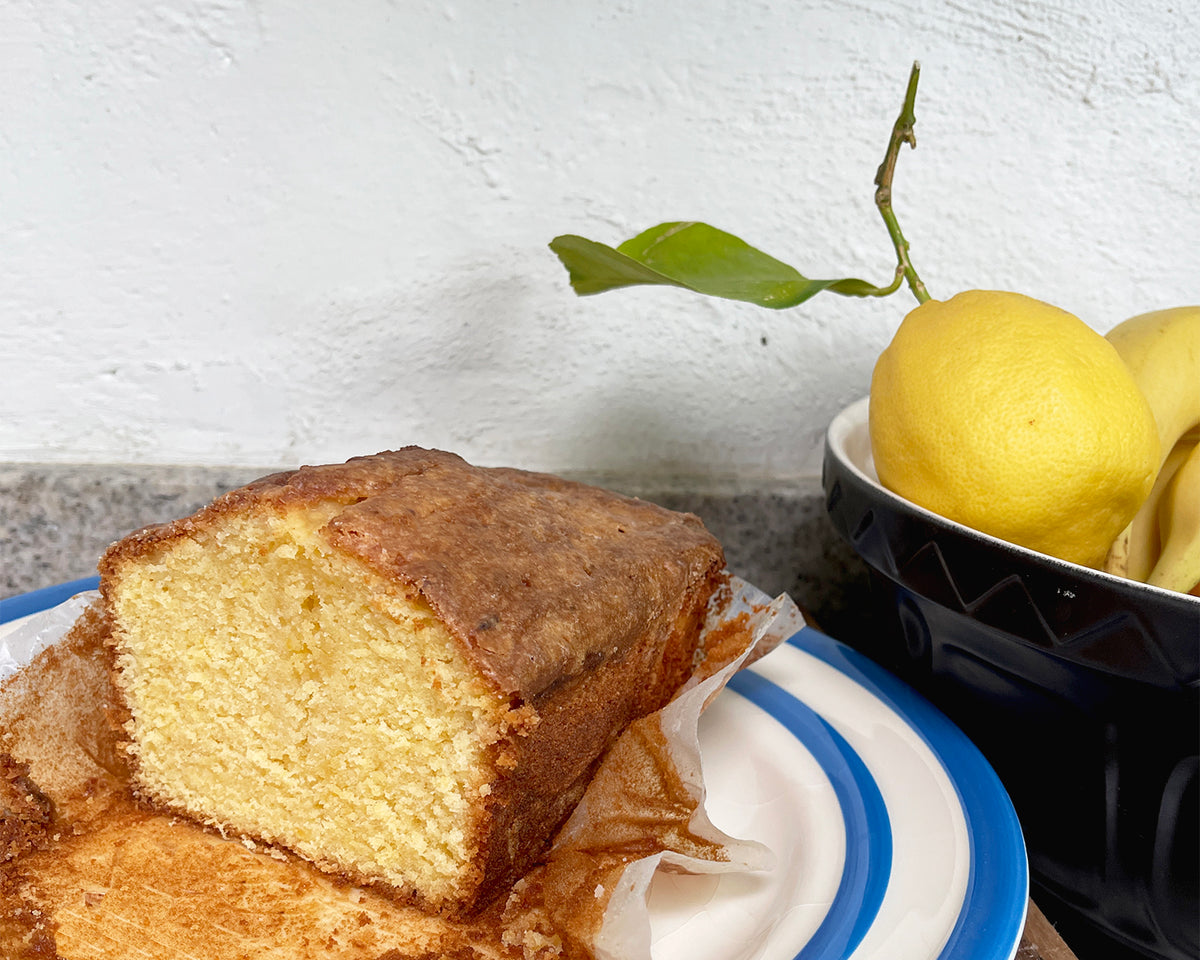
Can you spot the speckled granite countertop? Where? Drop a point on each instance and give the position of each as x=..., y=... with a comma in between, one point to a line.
x=56, y=520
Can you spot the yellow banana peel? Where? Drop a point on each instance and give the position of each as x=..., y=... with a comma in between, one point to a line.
x=1135, y=552
x=1178, y=565
x=1162, y=351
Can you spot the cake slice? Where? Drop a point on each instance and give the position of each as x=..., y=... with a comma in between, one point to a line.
x=403, y=668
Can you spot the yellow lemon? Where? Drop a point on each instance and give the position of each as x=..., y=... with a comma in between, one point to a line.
x=1015, y=418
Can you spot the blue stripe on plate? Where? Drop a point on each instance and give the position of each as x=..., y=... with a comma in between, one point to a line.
x=993, y=911
x=868, y=831
x=38, y=600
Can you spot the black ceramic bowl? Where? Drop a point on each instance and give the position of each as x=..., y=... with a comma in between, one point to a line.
x=1081, y=688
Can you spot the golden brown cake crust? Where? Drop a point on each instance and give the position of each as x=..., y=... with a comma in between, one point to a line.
x=531, y=572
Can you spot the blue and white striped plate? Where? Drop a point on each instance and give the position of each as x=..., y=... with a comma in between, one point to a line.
x=893, y=837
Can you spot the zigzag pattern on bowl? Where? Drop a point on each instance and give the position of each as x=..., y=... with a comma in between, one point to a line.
x=1048, y=606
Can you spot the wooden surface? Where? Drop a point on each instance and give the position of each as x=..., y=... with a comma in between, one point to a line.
x=1040, y=941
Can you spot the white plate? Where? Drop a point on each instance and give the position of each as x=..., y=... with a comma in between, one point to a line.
x=893, y=837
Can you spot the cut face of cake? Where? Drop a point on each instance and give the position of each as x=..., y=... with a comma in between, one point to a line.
x=402, y=668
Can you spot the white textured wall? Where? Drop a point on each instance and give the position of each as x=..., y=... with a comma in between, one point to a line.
x=275, y=231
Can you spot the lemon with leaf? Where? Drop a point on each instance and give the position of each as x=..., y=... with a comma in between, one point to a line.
x=993, y=409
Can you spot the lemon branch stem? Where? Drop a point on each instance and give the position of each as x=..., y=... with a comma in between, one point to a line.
x=902, y=132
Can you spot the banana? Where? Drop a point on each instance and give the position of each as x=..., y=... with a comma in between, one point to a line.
x=1134, y=553
x=1162, y=351
x=1178, y=566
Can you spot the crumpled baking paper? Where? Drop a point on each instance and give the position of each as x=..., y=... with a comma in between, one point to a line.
x=644, y=811
x=21, y=642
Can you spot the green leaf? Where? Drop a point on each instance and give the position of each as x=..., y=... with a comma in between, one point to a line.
x=696, y=257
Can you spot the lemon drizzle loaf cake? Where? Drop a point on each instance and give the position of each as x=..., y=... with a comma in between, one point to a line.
x=403, y=668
